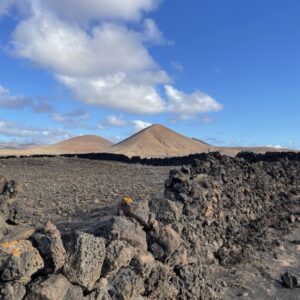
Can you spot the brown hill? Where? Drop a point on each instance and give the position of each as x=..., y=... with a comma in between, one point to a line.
x=76, y=145
x=159, y=141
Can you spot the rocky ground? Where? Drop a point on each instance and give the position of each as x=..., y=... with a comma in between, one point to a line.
x=58, y=189
x=222, y=228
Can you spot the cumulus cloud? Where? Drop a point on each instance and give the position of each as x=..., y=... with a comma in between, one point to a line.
x=139, y=125
x=31, y=134
x=106, y=64
x=94, y=66
x=108, y=49
x=188, y=105
x=117, y=92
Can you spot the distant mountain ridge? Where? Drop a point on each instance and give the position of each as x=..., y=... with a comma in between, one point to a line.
x=156, y=141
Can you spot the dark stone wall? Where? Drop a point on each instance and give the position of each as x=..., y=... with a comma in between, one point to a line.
x=174, y=161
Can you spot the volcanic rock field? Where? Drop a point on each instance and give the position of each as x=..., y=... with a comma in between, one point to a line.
x=218, y=228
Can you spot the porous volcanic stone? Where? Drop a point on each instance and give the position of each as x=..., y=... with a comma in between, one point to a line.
x=166, y=211
x=138, y=210
x=167, y=238
x=85, y=254
x=48, y=241
x=118, y=255
x=143, y=264
x=21, y=260
x=127, y=285
x=121, y=228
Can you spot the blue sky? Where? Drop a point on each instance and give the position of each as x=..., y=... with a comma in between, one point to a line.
x=227, y=72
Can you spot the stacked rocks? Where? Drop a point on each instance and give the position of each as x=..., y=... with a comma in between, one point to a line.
x=214, y=213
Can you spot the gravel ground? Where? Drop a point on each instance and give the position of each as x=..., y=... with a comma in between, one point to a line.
x=60, y=189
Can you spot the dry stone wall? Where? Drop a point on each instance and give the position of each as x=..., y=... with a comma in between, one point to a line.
x=215, y=212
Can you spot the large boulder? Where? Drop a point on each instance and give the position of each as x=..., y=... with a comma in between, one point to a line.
x=12, y=291
x=19, y=260
x=85, y=256
x=48, y=241
x=56, y=287
x=121, y=228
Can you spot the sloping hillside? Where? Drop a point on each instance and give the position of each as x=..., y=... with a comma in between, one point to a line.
x=159, y=141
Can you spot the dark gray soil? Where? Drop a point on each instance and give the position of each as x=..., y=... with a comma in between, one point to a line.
x=60, y=189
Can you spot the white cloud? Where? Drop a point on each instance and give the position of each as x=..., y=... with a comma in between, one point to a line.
x=88, y=10
x=108, y=65
x=117, y=92
x=31, y=134
x=75, y=118
x=189, y=105
x=95, y=67
x=139, y=125
x=18, y=102
x=274, y=146
x=9, y=101
x=3, y=90
x=113, y=121
x=152, y=33
x=108, y=49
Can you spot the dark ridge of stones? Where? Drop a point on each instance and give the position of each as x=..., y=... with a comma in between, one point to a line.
x=173, y=161
x=215, y=213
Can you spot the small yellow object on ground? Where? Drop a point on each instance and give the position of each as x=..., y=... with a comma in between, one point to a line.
x=128, y=200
